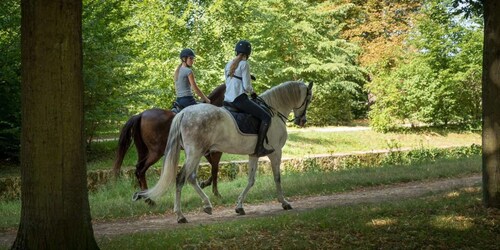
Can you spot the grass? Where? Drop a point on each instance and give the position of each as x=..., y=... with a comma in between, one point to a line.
x=113, y=200
x=450, y=220
x=309, y=141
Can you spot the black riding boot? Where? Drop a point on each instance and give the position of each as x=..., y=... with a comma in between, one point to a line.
x=260, y=150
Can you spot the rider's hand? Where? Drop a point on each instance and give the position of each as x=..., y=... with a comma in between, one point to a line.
x=253, y=95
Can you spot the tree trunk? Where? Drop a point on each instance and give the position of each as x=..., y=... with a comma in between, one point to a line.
x=491, y=104
x=55, y=212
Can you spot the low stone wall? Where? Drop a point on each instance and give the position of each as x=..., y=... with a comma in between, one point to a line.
x=10, y=187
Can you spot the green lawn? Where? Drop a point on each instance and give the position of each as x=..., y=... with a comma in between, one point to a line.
x=302, y=142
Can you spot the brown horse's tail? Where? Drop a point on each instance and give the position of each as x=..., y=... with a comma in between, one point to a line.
x=131, y=128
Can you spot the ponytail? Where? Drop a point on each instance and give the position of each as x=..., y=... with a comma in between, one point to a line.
x=235, y=64
x=176, y=74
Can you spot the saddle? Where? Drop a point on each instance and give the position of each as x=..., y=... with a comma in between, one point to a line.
x=176, y=107
x=247, y=123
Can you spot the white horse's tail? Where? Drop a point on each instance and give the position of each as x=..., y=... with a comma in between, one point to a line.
x=170, y=163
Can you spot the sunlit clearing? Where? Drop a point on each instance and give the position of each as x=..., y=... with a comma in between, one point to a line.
x=382, y=222
x=454, y=194
x=455, y=222
x=472, y=189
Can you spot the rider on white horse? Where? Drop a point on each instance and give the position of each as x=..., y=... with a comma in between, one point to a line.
x=238, y=86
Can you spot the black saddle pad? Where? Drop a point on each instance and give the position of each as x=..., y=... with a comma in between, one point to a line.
x=247, y=123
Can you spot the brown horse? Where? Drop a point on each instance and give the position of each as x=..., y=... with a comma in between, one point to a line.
x=150, y=130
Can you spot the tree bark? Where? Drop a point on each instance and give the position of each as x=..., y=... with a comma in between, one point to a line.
x=491, y=104
x=55, y=212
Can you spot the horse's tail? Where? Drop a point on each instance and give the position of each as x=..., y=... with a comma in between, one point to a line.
x=170, y=163
x=131, y=128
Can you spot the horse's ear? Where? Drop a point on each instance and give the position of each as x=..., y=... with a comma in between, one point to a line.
x=310, y=85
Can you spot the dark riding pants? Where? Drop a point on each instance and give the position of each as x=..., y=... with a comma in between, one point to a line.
x=186, y=101
x=246, y=105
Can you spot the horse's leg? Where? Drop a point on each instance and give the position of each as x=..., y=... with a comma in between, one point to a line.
x=145, y=160
x=252, y=169
x=208, y=181
x=151, y=159
x=180, y=180
x=214, y=159
x=139, y=173
x=191, y=165
x=207, y=206
x=275, y=164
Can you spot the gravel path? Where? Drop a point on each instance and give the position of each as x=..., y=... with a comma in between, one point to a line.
x=368, y=195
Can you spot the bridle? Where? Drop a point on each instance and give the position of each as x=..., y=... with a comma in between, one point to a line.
x=282, y=117
x=306, y=102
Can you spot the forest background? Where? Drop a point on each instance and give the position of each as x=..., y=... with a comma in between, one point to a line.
x=393, y=62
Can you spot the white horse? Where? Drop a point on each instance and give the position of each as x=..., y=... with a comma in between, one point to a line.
x=203, y=128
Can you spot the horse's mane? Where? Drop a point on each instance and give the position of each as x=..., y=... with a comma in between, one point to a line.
x=283, y=95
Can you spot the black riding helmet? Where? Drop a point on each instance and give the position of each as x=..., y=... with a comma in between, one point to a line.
x=187, y=53
x=244, y=47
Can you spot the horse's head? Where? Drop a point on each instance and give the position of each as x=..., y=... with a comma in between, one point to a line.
x=300, y=112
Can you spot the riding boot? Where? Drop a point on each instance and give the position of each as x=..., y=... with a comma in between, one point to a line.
x=260, y=150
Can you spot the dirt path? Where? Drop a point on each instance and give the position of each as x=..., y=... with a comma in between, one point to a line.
x=369, y=195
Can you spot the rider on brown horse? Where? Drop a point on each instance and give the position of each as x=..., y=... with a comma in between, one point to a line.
x=185, y=81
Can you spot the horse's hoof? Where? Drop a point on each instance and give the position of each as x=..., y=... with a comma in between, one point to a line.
x=240, y=211
x=137, y=196
x=150, y=202
x=204, y=185
x=182, y=220
x=208, y=210
x=287, y=207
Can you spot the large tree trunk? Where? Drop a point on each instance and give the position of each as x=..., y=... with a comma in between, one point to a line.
x=491, y=104
x=55, y=211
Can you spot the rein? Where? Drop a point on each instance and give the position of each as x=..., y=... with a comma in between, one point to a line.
x=270, y=109
x=264, y=105
x=282, y=117
x=305, y=103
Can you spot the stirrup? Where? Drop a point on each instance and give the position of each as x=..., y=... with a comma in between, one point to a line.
x=263, y=152
x=177, y=107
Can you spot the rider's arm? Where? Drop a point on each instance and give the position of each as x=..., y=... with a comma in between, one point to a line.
x=196, y=89
x=245, y=77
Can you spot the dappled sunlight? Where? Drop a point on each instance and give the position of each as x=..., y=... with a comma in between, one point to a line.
x=471, y=190
x=454, y=222
x=382, y=222
x=457, y=193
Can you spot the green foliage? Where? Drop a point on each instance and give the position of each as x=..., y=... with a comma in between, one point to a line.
x=131, y=50
x=291, y=45
x=439, y=80
x=423, y=155
x=107, y=57
x=10, y=78
x=288, y=45
x=405, y=94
